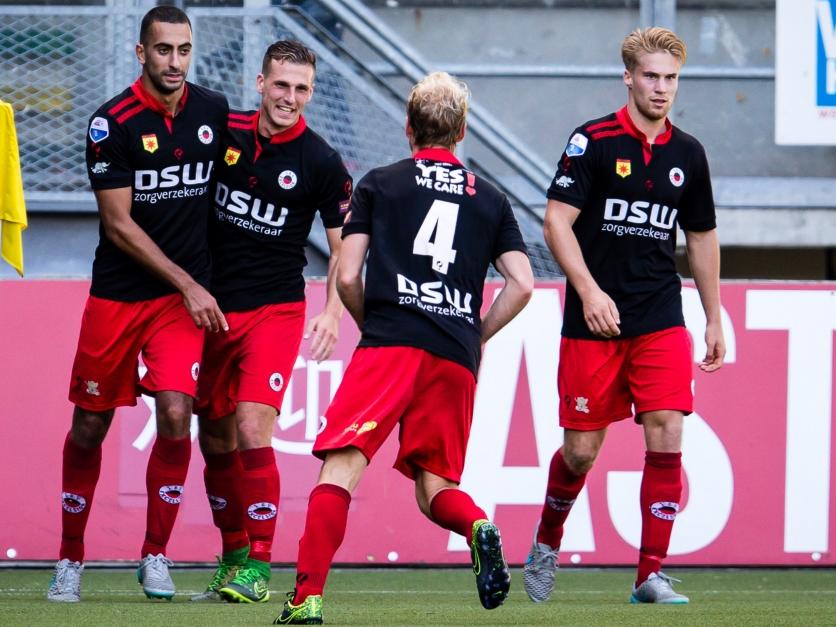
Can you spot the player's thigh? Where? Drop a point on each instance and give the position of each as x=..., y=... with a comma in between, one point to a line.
x=104, y=373
x=435, y=428
x=172, y=347
x=592, y=383
x=376, y=389
x=660, y=371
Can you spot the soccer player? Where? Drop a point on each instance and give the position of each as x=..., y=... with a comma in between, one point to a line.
x=623, y=184
x=150, y=155
x=431, y=228
x=276, y=173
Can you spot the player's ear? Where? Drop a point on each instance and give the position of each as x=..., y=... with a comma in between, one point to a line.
x=462, y=133
x=628, y=79
x=259, y=83
x=140, y=54
x=409, y=132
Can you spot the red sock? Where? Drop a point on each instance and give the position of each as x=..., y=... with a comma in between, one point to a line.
x=562, y=490
x=454, y=510
x=79, y=475
x=324, y=532
x=659, y=497
x=223, y=478
x=260, y=499
x=164, y=481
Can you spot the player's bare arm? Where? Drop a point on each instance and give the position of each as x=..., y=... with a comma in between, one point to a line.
x=115, y=213
x=324, y=327
x=599, y=310
x=704, y=258
x=350, y=274
x=515, y=268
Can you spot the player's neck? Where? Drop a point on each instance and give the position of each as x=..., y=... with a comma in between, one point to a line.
x=417, y=149
x=170, y=102
x=651, y=128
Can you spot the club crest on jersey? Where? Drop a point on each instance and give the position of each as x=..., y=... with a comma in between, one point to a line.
x=287, y=179
x=205, y=134
x=150, y=143
x=623, y=168
x=99, y=130
x=577, y=145
x=231, y=156
x=677, y=177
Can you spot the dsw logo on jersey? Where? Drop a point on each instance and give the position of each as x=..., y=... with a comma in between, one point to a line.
x=641, y=217
x=172, y=176
x=435, y=297
x=242, y=204
x=442, y=179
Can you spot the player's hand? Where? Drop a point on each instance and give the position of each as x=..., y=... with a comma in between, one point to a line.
x=601, y=315
x=715, y=348
x=203, y=308
x=324, y=329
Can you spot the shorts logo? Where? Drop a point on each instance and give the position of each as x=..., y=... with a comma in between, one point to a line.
x=205, y=134
x=623, y=168
x=217, y=503
x=323, y=422
x=195, y=370
x=564, y=181
x=577, y=145
x=150, y=143
x=231, y=156
x=677, y=177
x=73, y=503
x=276, y=382
x=287, y=179
x=581, y=404
x=92, y=388
x=262, y=511
x=99, y=130
x=100, y=167
x=666, y=510
x=171, y=494
x=560, y=505
x=358, y=428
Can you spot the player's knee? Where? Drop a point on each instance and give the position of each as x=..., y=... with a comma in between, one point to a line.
x=174, y=416
x=90, y=428
x=581, y=460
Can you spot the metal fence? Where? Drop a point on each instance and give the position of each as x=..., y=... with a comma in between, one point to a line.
x=58, y=64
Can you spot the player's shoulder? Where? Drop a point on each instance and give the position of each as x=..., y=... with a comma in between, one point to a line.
x=110, y=109
x=208, y=98
x=601, y=128
x=317, y=148
x=241, y=124
x=686, y=140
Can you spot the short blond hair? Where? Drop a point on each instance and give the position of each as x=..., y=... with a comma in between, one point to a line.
x=649, y=40
x=436, y=110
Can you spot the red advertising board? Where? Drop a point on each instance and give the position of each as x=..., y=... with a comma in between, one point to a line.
x=757, y=453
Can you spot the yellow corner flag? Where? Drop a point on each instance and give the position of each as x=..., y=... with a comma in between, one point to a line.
x=12, y=208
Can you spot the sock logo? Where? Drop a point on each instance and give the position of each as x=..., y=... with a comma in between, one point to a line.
x=216, y=502
x=171, y=494
x=560, y=505
x=666, y=510
x=262, y=511
x=73, y=503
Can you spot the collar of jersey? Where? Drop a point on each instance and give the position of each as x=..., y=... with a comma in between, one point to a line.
x=623, y=116
x=437, y=154
x=287, y=135
x=152, y=103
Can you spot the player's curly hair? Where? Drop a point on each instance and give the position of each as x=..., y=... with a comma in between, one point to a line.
x=288, y=51
x=165, y=13
x=649, y=40
x=437, y=109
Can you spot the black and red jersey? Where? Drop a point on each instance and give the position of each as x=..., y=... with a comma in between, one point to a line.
x=434, y=229
x=631, y=196
x=267, y=193
x=132, y=141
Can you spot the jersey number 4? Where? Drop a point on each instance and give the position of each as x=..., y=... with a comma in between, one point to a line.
x=441, y=221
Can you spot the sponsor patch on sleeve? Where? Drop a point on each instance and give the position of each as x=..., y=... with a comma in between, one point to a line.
x=577, y=145
x=99, y=130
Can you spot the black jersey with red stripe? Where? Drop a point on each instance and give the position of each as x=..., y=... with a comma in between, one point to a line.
x=132, y=141
x=267, y=193
x=631, y=196
x=434, y=229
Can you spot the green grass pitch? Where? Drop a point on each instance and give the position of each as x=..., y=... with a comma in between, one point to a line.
x=439, y=597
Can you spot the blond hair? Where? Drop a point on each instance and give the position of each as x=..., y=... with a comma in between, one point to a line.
x=436, y=110
x=649, y=40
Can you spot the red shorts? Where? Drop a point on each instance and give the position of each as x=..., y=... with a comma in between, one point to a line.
x=252, y=361
x=599, y=381
x=105, y=372
x=431, y=398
